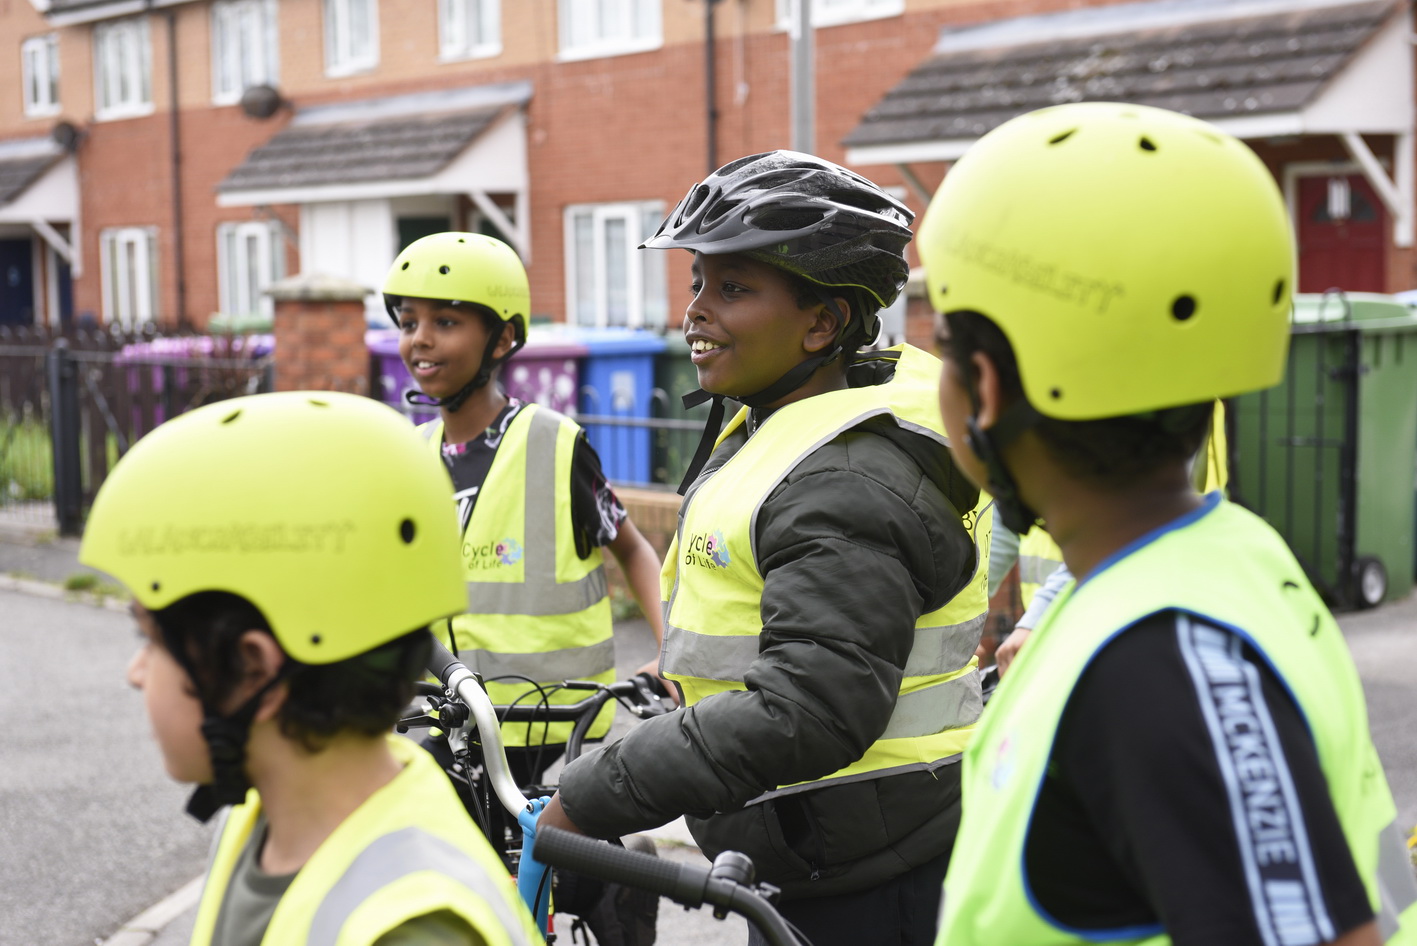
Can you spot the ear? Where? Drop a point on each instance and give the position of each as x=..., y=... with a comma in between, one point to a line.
x=988, y=389
x=823, y=330
x=261, y=659
x=506, y=340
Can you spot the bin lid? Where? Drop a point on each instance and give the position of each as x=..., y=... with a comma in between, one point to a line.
x=382, y=341
x=1368, y=311
x=610, y=341
x=543, y=343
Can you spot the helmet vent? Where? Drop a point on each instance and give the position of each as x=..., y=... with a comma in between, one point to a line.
x=443, y=269
x=1278, y=291
x=404, y=266
x=157, y=586
x=1183, y=308
x=1056, y=394
x=407, y=531
x=231, y=417
x=1059, y=139
x=315, y=638
x=315, y=403
x=1147, y=144
x=461, y=240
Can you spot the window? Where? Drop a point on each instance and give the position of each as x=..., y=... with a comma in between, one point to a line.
x=592, y=28
x=608, y=280
x=243, y=47
x=469, y=29
x=832, y=12
x=351, y=36
x=250, y=256
x=129, y=275
x=123, y=69
x=41, y=66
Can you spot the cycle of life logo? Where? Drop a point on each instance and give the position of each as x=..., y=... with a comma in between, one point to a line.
x=507, y=551
x=707, y=550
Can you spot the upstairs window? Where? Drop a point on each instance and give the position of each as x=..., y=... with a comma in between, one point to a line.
x=123, y=69
x=591, y=28
x=351, y=36
x=833, y=12
x=40, y=57
x=244, y=47
x=608, y=281
x=129, y=271
x=469, y=29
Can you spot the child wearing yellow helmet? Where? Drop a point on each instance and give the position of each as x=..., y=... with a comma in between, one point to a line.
x=532, y=505
x=283, y=594
x=1181, y=753
x=825, y=591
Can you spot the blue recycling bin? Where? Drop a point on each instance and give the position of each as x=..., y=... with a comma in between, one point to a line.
x=616, y=397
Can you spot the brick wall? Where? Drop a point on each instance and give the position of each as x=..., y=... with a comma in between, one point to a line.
x=319, y=335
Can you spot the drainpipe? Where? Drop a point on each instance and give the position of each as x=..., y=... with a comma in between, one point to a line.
x=175, y=156
x=711, y=85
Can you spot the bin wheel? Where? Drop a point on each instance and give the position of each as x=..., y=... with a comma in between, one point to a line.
x=1369, y=582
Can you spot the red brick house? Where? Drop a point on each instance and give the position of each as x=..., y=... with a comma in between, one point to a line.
x=169, y=158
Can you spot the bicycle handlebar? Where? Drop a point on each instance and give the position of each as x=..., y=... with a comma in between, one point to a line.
x=726, y=885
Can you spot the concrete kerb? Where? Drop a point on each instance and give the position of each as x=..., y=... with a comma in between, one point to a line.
x=144, y=928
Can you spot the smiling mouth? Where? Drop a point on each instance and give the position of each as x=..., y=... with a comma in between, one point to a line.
x=702, y=345
x=423, y=367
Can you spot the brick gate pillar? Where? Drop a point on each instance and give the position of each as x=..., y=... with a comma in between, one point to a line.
x=319, y=334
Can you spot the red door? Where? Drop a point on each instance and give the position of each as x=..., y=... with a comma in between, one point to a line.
x=1342, y=235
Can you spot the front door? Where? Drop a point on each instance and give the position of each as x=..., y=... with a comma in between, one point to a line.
x=16, y=283
x=1343, y=229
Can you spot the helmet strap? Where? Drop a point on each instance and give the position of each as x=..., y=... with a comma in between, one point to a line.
x=226, y=738
x=988, y=445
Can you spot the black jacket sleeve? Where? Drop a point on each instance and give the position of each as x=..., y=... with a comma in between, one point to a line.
x=854, y=545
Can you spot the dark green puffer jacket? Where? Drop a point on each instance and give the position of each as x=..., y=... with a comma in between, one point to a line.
x=854, y=545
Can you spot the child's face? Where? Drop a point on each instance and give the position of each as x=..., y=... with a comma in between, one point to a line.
x=442, y=346
x=955, y=408
x=174, y=711
x=743, y=324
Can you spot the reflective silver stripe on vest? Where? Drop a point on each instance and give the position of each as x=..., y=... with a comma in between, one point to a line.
x=397, y=855
x=539, y=594
x=569, y=663
x=1035, y=569
x=1397, y=889
x=944, y=649
x=937, y=650
x=947, y=705
x=923, y=712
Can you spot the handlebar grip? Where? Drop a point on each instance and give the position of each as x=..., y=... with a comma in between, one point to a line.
x=682, y=883
x=441, y=662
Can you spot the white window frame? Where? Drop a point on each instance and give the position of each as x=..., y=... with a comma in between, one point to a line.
x=836, y=12
x=40, y=56
x=341, y=58
x=129, y=270
x=587, y=28
x=646, y=293
x=250, y=256
x=469, y=29
x=245, y=48
x=122, y=69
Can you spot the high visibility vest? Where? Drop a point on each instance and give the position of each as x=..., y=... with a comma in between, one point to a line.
x=1228, y=568
x=1039, y=556
x=408, y=851
x=713, y=586
x=537, y=613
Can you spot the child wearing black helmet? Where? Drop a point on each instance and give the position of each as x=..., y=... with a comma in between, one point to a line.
x=825, y=590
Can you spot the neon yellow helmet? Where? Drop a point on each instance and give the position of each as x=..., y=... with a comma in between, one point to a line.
x=463, y=267
x=326, y=511
x=1134, y=257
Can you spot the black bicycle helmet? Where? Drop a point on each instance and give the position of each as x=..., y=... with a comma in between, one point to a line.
x=801, y=214
x=808, y=217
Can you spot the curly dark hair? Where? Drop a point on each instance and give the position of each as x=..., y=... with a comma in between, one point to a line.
x=1111, y=452
x=364, y=694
